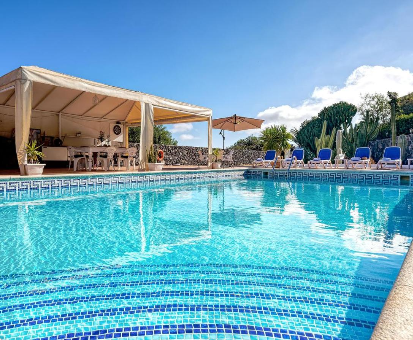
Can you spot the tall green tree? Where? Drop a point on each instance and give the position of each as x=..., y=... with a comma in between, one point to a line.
x=248, y=143
x=338, y=116
x=393, y=101
x=325, y=141
x=276, y=137
x=160, y=135
x=361, y=134
x=375, y=106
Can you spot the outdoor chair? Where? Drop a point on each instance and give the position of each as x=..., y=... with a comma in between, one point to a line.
x=203, y=158
x=75, y=157
x=270, y=156
x=129, y=157
x=228, y=158
x=392, y=155
x=106, y=159
x=324, y=158
x=361, y=157
x=296, y=159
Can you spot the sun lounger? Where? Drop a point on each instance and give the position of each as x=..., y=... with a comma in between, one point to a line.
x=324, y=158
x=296, y=159
x=270, y=156
x=361, y=157
x=391, y=156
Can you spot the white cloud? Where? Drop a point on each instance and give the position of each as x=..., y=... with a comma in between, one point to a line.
x=187, y=137
x=364, y=79
x=182, y=127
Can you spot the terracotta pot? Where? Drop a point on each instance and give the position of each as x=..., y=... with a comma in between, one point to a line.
x=216, y=165
x=34, y=169
x=155, y=166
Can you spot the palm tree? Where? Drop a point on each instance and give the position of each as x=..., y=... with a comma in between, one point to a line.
x=276, y=137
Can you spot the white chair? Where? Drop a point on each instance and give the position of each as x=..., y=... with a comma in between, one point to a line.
x=203, y=158
x=129, y=157
x=228, y=157
x=75, y=157
x=105, y=158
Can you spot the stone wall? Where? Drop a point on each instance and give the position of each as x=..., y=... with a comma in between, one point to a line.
x=378, y=146
x=189, y=155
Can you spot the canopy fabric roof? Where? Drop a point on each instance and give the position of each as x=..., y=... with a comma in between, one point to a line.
x=63, y=94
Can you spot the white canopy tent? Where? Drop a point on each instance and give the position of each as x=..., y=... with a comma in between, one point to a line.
x=33, y=93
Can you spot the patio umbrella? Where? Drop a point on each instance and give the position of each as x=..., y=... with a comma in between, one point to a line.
x=235, y=123
x=339, y=141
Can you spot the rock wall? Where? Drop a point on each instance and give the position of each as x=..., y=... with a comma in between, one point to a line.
x=189, y=155
x=378, y=146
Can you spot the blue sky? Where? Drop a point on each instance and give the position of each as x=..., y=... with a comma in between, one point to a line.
x=245, y=57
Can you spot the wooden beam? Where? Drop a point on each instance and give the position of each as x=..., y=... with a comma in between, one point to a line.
x=72, y=101
x=116, y=107
x=98, y=103
x=43, y=98
x=8, y=98
x=126, y=119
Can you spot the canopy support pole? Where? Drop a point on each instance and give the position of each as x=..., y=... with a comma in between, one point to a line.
x=146, y=141
x=23, y=114
x=60, y=125
x=126, y=135
x=209, y=141
x=222, y=133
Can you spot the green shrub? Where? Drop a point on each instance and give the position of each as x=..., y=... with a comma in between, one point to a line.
x=403, y=125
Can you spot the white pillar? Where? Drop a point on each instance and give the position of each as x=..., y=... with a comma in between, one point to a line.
x=23, y=114
x=146, y=141
x=209, y=141
x=126, y=135
x=60, y=125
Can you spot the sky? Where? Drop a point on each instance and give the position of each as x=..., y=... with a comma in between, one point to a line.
x=281, y=61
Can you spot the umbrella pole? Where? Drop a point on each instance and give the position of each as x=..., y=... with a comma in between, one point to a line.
x=223, y=139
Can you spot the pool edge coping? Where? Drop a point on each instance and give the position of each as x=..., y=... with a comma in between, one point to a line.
x=396, y=318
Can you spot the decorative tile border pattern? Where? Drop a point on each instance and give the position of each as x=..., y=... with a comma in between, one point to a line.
x=333, y=176
x=26, y=189
x=50, y=187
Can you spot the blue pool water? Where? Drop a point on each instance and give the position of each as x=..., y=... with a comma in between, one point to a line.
x=241, y=259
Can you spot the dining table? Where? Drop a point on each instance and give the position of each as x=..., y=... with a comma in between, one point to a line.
x=92, y=151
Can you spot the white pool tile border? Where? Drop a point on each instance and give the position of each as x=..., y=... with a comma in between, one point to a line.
x=25, y=188
x=358, y=177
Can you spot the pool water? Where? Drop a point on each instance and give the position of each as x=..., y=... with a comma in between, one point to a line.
x=243, y=259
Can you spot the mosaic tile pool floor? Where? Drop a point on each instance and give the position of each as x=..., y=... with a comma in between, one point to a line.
x=243, y=259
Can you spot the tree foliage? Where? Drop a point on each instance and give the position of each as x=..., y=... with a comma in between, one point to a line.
x=276, y=137
x=325, y=141
x=361, y=134
x=160, y=135
x=406, y=104
x=248, y=143
x=376, y=106
x=337, y=116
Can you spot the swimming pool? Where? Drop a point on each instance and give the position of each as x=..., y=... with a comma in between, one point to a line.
x=236, y=259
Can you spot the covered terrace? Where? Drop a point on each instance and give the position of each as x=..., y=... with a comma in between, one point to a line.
x=35, y=100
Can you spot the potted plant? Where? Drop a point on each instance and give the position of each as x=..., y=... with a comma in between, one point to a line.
x=155, y=160
x=216, y=163
x=33, y=167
